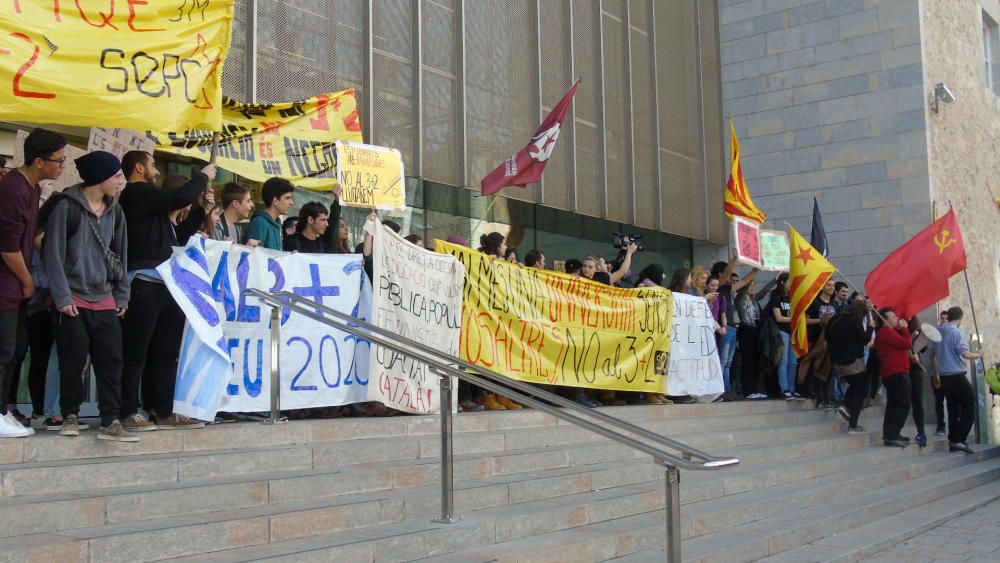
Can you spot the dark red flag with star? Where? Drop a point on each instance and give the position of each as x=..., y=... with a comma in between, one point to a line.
x=529, y=163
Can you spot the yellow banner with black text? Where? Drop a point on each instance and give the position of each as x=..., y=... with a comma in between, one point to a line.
x=140, y=64
x=294, y=140
x=548, y=327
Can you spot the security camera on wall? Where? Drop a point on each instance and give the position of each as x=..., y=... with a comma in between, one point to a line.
x=941, y=92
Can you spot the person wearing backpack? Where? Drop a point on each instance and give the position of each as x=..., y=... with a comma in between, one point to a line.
x=82, y=255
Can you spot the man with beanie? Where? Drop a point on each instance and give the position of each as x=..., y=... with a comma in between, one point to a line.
x=85, y=243
x=44, y=157
x=154, y=324
x=265, y=229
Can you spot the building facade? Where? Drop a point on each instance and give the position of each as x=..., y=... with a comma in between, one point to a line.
x=457, y=86
x=834, y=100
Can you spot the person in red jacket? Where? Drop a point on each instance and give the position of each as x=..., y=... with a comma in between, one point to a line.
x=893, y=346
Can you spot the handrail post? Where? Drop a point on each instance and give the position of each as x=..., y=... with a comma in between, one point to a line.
x=275, y=417
x=673, y=509
x=447, y=453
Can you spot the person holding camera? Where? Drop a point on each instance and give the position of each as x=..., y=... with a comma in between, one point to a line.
x=85, y=243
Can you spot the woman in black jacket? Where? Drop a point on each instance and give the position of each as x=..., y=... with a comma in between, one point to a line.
x=847, y=338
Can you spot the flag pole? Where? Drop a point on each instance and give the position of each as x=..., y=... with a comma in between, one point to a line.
x=483, y=218
x=859, y=292
x=214, y=155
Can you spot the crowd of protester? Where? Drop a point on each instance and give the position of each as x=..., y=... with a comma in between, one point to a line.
x=79, y=288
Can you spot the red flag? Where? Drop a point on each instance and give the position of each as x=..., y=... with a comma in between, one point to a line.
x=529, y=163
x=915, y=277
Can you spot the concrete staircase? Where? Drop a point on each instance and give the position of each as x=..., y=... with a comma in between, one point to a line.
x=528, y=489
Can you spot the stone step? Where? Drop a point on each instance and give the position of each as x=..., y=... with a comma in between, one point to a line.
x=67, y=475
x=147, y=540
x=47, y=446
x=870, y=539
x=640, y=538
x=43, y=513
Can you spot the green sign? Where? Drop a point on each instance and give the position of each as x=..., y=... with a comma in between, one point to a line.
x=776, y=256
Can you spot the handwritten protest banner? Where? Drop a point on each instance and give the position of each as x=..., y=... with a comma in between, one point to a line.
x=747, y=237
x=155, y=65
x=542, y=326
x=371, y=176
x=694, y=357
x=776, y=256
x=69, y=175
x=294, y=140
x=226, y=356
x=416, y=294
x=119, y=141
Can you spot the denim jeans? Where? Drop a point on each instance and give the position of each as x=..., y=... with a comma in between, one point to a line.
x=727, y=348
x=788, y=368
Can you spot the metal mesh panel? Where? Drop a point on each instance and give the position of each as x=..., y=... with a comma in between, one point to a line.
x=639, y=15
x=392, y=83
x=680, y=119
x=308, y=47
x=646, y=189
x=442, y=151
x=616, y=114
x=589, y=189
x=501, y=90
x=555, y=81
x=234, y=83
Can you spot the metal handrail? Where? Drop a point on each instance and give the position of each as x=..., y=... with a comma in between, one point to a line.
x=446, y=366
x=688, y=453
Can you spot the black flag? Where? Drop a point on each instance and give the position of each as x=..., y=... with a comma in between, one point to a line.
x=818, y=236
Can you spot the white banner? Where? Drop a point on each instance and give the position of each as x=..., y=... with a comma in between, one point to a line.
x=119, y=141
x=226, y=356
x=416, y=294
x=694, y=357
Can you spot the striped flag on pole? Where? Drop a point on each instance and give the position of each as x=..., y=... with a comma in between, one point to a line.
x=738, y=200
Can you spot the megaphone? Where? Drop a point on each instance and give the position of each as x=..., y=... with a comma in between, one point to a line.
x=928, y=333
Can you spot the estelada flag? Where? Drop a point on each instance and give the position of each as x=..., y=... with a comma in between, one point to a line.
x=738, y=200
x=915, y=276
x=809, y=273
x=529, y=163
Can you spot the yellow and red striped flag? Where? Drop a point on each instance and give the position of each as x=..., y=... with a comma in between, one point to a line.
x=809, y=273
x=738, y=200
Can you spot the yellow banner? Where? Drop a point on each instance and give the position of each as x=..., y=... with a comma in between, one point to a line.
x=548, y=327
x=294, y=140
x=141, y=64
x=371, y=176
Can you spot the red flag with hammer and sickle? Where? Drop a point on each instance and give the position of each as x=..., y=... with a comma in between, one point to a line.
x=529, y=163
x=916, y=276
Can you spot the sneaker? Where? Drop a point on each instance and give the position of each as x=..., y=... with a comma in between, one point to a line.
x=12, y=419
x=38, y=421
x=895, y=443
x=788, y=396
x=137, y=423
x=759, y=396
x=798, y=397
x=10, y=428
x=70, y=426
x=844, y=413
x=491, y=404
x=115, y=432
x=471, y=406
x=20, y=418
x=510, y=405
x=857, y=430
x=941, y=431
x=585, y=401
x=960, y=447
x=921, y=440
x=177, y=422
x=227, y=417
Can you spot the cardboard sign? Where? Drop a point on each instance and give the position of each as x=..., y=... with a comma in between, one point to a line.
x=371, y=176
x=416, y=294
x=776, y=256
x=747, y=237
x=119, y=141
x=695, y=368
x=155, y=65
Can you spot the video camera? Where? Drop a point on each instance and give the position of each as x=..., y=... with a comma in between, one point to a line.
x=622, y=240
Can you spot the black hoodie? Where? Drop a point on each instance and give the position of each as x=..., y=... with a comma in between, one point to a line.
x=147, y=208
